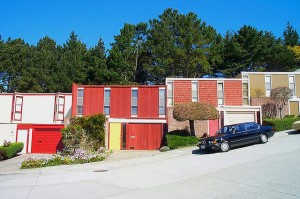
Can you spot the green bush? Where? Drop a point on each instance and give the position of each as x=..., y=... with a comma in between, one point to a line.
x=3, y=155
x=11, y=150
x=178, y=141
x=281, y=124
x=85, y=132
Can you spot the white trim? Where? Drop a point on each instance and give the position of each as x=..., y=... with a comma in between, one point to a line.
x=137, y=120
x=30, y=140
x=200, y=79
x=239, y=108
x=270, y=73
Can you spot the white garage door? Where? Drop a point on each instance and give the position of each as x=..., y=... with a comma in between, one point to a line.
x=238, y=117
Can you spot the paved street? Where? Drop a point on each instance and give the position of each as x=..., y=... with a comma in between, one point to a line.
x=269, y=170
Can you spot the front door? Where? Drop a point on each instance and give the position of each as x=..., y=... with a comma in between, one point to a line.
x=115, y=136
x=23, y=137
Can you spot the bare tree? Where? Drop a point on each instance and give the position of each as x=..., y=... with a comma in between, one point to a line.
x=281, y=96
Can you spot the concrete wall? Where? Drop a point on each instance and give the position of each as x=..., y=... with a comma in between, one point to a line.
x=5, y=107
x=7, y=132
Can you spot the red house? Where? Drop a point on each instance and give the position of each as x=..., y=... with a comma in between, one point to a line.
x=136, y=115
x=230, y=96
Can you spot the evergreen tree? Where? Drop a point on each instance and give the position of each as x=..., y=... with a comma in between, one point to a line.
x=291, y=36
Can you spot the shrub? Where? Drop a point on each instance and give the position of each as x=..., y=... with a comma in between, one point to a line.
x=289, y=116
x=281, y=124
x=269, y=110
x=3, y=155
x=80, y=156
x=13, y=149
x=179, y=141
x=85, y=132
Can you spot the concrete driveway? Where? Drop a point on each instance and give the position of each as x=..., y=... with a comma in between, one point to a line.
x=259, y=171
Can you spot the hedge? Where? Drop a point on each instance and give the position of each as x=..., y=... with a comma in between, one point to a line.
x=180, y=138
x=281, y=124
x=11, y=151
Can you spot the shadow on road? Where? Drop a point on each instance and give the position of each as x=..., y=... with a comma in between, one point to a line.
x=293, y=132
x=200, y=152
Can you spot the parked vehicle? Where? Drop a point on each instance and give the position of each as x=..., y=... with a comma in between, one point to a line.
x=236, y=135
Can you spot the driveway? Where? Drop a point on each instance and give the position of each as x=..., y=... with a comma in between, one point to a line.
x=259, y=171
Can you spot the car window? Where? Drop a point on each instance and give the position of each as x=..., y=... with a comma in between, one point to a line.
x=251, y=126
x=240, y=128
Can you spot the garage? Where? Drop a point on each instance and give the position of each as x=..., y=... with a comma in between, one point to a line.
x=143, y=136
x=238, y=117
x=46, y=138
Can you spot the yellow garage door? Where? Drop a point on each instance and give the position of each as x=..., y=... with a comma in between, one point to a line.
x=115, y=136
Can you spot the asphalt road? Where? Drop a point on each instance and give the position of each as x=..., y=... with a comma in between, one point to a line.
x=265, y=171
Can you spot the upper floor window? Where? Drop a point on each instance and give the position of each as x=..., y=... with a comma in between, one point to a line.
x=268, y=85
x=194, y=91
x=292, y=83
x=80, y=93
x=59, y=107
x=245, y=77
x=162, y=102
x=134, y=102
x=18, y=107
x=170, y=93
x=245, y=93
x=107, y=101
x=220, y=93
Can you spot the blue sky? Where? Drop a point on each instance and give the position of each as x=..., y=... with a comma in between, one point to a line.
x=33, y=19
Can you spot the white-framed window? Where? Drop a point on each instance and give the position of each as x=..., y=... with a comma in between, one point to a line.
x=134, y=102
x=245, y=77
x=220, y=93
x=245, y=93
x=18, y=107
x=107, y=101
x=59, y=108
x=170, y=93
x=162, y=103
x=79, y=109
x=194, y=91
x=268, y=85
x=292, y=83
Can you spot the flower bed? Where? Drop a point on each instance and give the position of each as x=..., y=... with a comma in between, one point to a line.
x=80, y=156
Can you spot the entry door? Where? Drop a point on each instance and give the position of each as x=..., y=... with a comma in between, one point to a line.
x=115, y=136
x=23, y=137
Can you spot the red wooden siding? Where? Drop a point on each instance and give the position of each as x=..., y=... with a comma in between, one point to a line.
x=208, y=92
x=120, y=102
x=144, y=136
x=74, y=98
x=93, y=101
x=233, y=93
x=148, y=102
x=182, y=91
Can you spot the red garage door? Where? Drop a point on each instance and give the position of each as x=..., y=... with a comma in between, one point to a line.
x=144, y=136
x=46, y=139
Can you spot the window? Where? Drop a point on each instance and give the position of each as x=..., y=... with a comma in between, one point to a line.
x=268, y=85
x=220, y=93
x=170, y=93
x=251, y=126
x=245, y=77
x=292, y=83
x=79, y=109
x=134, y=102
x=107, y=101
x=194, y=91
x=161, y=110
x=245, y=93
x=18, y=107
x=59, y=108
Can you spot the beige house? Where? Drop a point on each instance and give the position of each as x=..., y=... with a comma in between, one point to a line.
x=261, y=83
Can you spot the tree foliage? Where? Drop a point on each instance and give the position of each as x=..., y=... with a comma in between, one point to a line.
x=172, y=45
x=192, y=111
x=280, y=96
